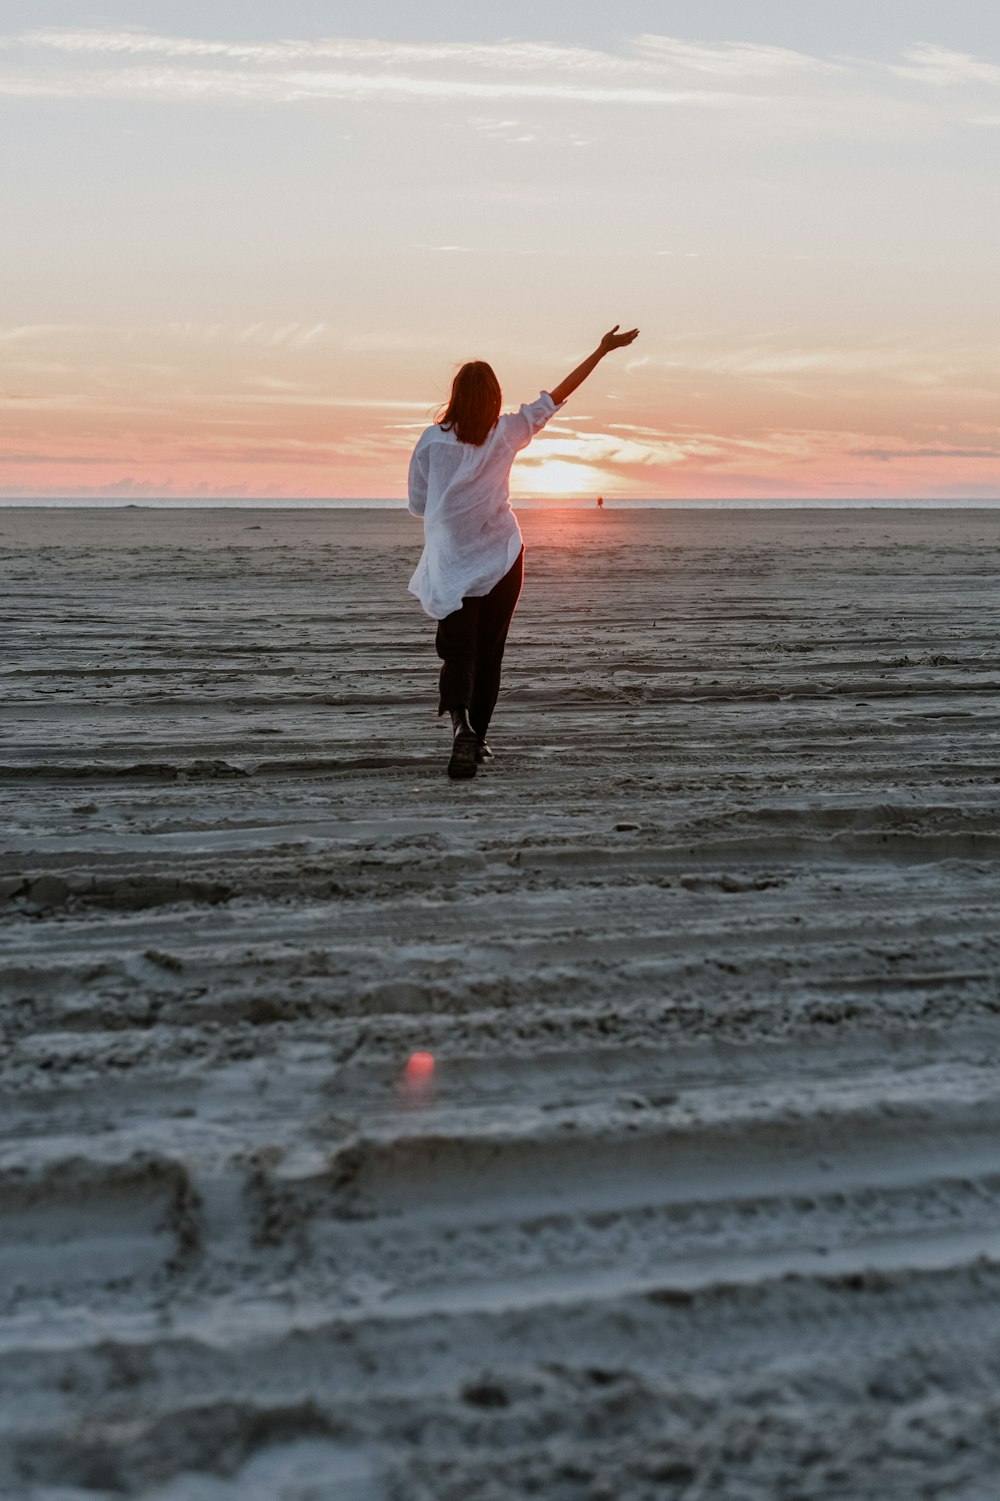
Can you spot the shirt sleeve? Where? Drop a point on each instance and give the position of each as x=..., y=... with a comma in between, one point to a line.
x=417, y=482
x=518, y=428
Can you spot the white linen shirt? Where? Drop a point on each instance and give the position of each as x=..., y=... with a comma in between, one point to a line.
x=471, y=535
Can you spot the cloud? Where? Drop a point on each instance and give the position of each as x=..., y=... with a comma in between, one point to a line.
x=284, y=398
x=265, y=335
x=653, y=70
x=941, y=67
x=847, y=361
x=517, y=133
x=648, y=54
x=653, y=449
x=731, y=60
x=530, y=56
x=26, y=332
x=274, y=383
x=939, y=451
x=909, y=363
x=27, y=402
x=126, y=488
x=772, y=88
x=214, y=85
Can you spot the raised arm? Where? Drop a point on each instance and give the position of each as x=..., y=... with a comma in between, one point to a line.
x=612, y=340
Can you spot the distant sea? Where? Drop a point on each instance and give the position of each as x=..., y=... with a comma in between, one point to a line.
x=245, y=503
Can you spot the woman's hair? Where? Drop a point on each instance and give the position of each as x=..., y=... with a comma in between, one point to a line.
x=474, y=404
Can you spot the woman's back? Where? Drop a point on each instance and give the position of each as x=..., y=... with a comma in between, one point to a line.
x=462, y=490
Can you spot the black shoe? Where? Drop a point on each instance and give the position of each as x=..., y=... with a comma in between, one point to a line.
x=464, y=755
x=483, y=753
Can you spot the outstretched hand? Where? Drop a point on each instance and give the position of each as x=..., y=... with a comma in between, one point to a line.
x=615, y=340
x=612, y=340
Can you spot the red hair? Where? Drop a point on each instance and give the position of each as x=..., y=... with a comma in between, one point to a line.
x=474, y=404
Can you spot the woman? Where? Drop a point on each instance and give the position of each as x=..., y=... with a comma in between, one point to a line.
x=470, y=572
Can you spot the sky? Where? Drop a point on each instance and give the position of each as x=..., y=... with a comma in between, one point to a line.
x=247, y=243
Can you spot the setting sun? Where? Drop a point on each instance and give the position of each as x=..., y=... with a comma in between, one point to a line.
x=555, y=477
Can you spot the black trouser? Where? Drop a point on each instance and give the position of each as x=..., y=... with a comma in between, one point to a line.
x=470, y=643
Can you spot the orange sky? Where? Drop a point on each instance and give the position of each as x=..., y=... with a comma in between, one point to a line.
x=243, y=265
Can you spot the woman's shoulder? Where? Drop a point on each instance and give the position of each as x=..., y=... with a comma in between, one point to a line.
x=436, y=433
x=529, y=417
x=543, y=405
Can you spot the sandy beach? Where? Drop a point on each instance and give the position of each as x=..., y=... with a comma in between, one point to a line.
x=702, y=1199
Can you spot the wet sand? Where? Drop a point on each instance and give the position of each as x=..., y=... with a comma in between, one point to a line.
x=702, y=1200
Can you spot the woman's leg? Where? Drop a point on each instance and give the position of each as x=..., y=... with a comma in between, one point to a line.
x=496, y=612
x=456, y=646
x=455, y=643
